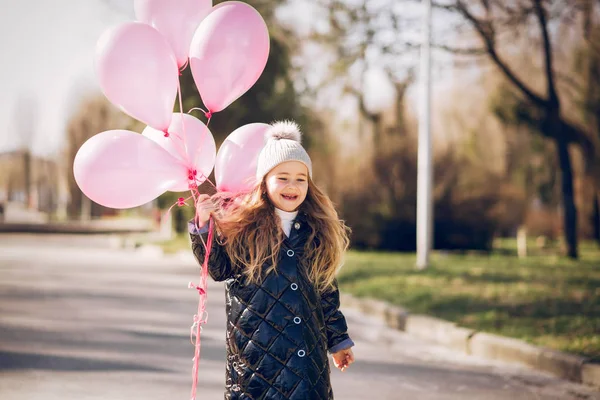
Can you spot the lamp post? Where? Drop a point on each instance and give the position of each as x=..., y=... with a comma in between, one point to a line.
x=424, y=168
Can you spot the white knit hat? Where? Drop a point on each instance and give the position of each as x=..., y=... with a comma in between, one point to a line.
x=282, y=143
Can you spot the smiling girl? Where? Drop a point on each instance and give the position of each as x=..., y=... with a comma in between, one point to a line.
x=278, y=249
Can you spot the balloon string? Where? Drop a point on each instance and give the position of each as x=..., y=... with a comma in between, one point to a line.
x=181, y=146
x=196, y=193
x=184, y=66
x=183, y=125
x=209, y=181
x=179, y=203
x=178, y=147
x=208, y=114
x=202, y=316
x=193, y=187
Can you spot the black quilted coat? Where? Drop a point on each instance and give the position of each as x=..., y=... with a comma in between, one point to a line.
x=279, y=331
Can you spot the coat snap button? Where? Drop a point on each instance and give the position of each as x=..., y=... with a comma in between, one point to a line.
x=290, y=253
x=294, y=286
x=297, y=320
x=301, y=353
x=297, y=225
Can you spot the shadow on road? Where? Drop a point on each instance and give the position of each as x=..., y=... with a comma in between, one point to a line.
x=125, y=343
x=15, y=361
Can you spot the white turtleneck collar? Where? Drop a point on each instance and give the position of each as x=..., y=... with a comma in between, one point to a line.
x=286, y=218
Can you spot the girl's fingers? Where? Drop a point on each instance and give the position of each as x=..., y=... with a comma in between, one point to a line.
x=207, y=206
x=343, y=361
x=205, y=202
x=201, y=208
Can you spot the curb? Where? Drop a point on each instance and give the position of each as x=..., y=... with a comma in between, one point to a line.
x=496, y=347
x=590, y=374
x=563, y=365
x=440, y=331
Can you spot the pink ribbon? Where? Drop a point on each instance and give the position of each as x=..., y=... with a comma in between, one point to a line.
x=202, y=316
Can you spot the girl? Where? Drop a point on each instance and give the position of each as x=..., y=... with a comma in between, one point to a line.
x=278, y=249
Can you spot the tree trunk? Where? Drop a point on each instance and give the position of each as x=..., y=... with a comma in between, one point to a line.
x=27, y=177
x=522, y=241
x=596, y=218
x=376, y=121
x=401, y=88
x=569, y=208
x=378, y=138
x=86, y=208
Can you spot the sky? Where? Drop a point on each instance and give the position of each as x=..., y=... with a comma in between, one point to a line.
x=47, y=64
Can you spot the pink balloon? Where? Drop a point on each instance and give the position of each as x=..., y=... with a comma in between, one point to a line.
x=138, y=72
x=176, y=20
x=123, y=169
x=201, y=148
x=235, y=167
x=228, y=53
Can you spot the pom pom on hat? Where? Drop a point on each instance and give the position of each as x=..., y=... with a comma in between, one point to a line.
x=284, y=130
x=282, y=143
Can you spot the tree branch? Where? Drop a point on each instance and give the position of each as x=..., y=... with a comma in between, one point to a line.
x=547, y=45
x=473, y=51
x=568, y=80
x=577, y=135
x=572, y=132
x=486, y=35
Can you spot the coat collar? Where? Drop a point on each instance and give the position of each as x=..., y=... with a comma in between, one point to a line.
x=299, y=232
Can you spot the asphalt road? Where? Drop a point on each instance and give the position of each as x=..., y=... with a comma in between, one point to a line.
x=79, y=320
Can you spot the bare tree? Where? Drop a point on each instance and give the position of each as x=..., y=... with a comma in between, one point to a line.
x=365, y=35
x=591, y=32
x=496, y=20
x=25, y=119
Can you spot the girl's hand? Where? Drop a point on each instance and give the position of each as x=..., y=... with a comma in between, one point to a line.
x=342, y=359
x=204, y=209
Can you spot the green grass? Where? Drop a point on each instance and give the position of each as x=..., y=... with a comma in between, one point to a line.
x=544, y=299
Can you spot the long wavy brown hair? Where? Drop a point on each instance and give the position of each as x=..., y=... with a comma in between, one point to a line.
x=251, y=233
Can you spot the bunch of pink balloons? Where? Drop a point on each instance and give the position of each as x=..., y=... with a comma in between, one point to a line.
x=138, y=65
